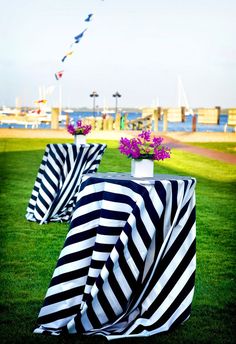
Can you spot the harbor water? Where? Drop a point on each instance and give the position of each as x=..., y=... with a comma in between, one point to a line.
x=185, y=126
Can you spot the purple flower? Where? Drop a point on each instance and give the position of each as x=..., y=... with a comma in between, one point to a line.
x=146, y=135
x=129, y=147
x=71, y=129
x=143, y=147
x=79, y=129
x=157, y=141
x=161, y=154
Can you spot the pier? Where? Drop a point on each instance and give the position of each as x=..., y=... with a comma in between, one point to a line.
x=155, y=119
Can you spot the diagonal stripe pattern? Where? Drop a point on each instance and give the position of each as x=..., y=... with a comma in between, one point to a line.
x=128, y=264
x=57, y=183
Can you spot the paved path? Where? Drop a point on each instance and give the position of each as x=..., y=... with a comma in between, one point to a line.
x=209, y=153
x=178, y=140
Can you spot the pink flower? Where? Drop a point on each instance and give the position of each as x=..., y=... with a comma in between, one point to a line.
x=71, y=129
x=144, y=147
x=79, y=129
x=157, y=141
x=146, y=135
x=161, y=154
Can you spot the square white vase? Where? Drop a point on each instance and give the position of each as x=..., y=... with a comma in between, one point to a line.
x=79, y=139
x=142, y=168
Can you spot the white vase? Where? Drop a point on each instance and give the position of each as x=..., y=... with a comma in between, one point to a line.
x=142, y=168
x=79, y=139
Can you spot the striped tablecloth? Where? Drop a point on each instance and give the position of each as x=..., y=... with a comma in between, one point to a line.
x=128, y=264
x=56, y=187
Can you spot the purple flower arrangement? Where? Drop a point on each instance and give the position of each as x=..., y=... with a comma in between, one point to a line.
x=144, y=147
x=79, y=129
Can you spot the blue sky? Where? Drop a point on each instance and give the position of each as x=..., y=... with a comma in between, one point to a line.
x=138, y=48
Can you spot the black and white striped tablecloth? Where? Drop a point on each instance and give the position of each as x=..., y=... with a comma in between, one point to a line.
x=56, y=187
x=128, y=264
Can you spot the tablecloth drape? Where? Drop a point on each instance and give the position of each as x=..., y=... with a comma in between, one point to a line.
x=128, y=264
x=56, y=187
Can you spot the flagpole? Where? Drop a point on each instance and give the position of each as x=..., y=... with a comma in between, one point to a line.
x=60, y=97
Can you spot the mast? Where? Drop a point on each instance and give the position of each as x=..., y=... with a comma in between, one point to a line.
x=60, y=97
x=182, y=97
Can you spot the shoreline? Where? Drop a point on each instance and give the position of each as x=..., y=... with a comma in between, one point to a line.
x=117, y=134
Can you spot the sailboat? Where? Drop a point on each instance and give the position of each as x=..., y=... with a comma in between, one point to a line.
x=68, y=110
x=105, y=110
x=182, y=98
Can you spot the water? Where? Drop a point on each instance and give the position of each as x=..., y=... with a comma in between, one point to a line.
x=180, y=126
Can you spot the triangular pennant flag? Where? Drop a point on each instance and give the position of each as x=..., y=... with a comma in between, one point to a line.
x=59, y=74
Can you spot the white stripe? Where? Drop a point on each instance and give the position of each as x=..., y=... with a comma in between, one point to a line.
x=77, y=247
x=136, y=237
x=71, y=327
x=59, y=306
x=122, y=282
x=57, y=324
x=83, y=228
x=107, y=239
x=100, y=256
x=111, y=298
x=85, y=322
x=168, y=207
x=131, y=263
x=99, y=311
x=64, y=286
x=71, y=266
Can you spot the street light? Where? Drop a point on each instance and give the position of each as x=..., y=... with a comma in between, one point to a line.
x=94, y=95
x=116, y=95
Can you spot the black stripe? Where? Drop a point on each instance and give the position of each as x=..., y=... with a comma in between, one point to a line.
x=174, y=205
x=127, y=272
x=93, y=318
x=75, y=256
x=146, y=239
x=118, y=290
x=83, y=219
x=64, y=295
x=134, y=251
x=106, y=306
x=80, y=236
x=58, y=315
x=161, y=191
x=103, y=247
x=69, y=276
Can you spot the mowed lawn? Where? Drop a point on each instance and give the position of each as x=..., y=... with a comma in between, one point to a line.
x=29, y=251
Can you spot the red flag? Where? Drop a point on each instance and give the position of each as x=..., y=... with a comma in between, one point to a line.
x=42, y=101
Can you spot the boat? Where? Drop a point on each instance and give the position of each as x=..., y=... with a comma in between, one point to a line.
x=68, y=110
x=182, y=99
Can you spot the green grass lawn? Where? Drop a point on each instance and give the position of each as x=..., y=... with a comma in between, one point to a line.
x=29, y=251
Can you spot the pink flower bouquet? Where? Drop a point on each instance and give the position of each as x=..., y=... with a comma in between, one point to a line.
x=144, y=147
x=79, y=129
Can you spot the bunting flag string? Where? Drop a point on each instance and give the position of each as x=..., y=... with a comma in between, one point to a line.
x=77, y=39
x=58, y=75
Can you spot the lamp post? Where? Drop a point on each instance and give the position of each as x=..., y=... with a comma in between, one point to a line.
x=94, y=95
x=116, y=95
